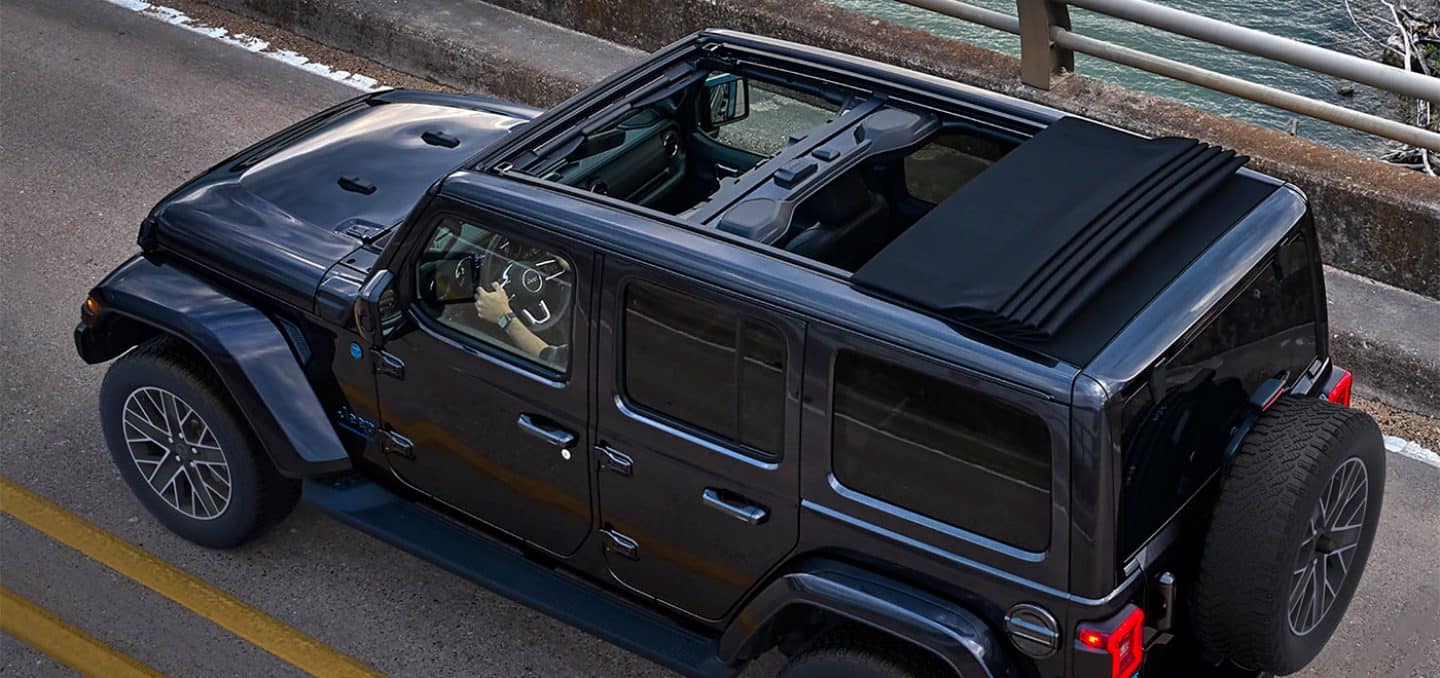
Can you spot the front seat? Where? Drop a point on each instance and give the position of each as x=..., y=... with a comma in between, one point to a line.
x=843, y=225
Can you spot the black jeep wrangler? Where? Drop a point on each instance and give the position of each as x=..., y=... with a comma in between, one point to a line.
x=756, y=346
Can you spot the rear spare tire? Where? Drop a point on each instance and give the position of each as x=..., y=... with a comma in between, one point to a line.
x=186, y=451
x=1290, y=534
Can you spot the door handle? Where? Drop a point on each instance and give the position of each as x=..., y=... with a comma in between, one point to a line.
x=614, y=460
x=620, y=544
x=547, y=432
x=735, y=507
x=394, y=443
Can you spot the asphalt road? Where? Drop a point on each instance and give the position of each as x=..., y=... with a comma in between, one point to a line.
x=102, y=111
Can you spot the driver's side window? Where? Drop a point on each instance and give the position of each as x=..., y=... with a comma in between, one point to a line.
x=498, y=290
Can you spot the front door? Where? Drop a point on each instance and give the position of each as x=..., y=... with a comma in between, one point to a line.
x=484, y=387
x=697, y=437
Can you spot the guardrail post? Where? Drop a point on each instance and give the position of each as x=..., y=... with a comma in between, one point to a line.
x=1042, y=62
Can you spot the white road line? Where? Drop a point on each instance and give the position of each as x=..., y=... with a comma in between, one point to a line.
x=1405, y=448
x=249, y=43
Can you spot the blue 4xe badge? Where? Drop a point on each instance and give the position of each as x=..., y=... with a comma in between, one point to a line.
x=355, y=351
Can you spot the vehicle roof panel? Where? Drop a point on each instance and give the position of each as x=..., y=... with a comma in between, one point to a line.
x=1081, y=216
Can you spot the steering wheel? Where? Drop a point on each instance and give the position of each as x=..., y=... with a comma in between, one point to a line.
x=539, y=283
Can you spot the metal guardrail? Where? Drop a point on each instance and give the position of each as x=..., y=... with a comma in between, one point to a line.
x=1048, y=46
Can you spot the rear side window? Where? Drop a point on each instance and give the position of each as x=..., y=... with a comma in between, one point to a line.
x=707, y=367
x=940, y=449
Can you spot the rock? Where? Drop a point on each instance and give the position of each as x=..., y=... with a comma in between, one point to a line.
x=1345, y=89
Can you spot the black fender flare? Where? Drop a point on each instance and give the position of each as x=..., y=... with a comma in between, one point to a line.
x=243, y=345
x=953, y=633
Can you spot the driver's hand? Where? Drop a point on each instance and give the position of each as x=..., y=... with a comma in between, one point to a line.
x=492, y=303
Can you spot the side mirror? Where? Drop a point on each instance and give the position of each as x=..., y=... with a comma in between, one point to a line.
x=727, y=99
x=369, y=307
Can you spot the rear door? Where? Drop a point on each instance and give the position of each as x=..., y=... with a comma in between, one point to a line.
x=697, y=437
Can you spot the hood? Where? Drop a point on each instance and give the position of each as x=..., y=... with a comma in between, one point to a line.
x=280, y=213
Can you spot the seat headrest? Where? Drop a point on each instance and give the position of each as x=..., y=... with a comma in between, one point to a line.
x=839, y=201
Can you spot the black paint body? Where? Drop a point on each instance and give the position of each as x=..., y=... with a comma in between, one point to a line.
x=258, y=261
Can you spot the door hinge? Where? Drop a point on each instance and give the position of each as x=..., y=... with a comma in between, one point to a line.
x=621, y=545
x=396, y=444
x=614, y=461
x=389, y=365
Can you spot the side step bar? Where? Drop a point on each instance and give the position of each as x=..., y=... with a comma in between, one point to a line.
x=378, y=511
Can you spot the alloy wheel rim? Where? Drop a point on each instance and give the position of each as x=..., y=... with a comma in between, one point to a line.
x=177, y=453
x=1327, y=553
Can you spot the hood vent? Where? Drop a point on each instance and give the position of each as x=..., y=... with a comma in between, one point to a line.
x=355, y=184
x=435, y=137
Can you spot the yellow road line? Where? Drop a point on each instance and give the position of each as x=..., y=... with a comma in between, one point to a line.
x=266, y=632
x=65, y=643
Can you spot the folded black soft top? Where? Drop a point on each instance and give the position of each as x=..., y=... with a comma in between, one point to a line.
x=1022, y=249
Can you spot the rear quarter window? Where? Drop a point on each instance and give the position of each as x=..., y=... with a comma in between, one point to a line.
x=940, y=449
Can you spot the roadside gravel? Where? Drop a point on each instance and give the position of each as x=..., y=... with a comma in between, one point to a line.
x=1416, y=428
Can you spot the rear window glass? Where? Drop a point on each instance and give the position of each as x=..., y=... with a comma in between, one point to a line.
x=1173, y=447
x=942, y=450
x=707, y=367
x=947, y=162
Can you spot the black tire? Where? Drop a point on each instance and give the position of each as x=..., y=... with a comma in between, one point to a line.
x=859, y=653
x=259, y=497
x=1245, y=608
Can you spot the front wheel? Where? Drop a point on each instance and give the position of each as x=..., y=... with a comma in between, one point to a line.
x=185, y=451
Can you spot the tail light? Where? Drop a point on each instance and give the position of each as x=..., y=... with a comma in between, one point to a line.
x=1121, y=639
x=1340, y=392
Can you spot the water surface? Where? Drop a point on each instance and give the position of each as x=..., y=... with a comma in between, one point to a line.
x=1318, y=22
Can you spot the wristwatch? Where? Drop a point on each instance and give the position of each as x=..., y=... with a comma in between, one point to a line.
x=505, y=320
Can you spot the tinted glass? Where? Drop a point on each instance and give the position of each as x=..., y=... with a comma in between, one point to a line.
x=762, y=383
x=472, y=280
x=942, y=450
x=951, y=160
x=1173, y=448
x=775, y=113
x=705, y=366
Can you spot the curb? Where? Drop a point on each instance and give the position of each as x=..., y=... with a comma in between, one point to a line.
x=472, y=46
x=1389, y=337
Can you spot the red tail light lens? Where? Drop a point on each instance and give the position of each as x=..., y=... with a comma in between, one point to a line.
x=1122, y=641
x=1340, y=393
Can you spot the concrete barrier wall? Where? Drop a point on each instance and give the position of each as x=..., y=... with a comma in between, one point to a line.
x=1380, y=221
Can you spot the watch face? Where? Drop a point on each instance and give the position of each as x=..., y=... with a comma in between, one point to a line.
x=504, y=320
